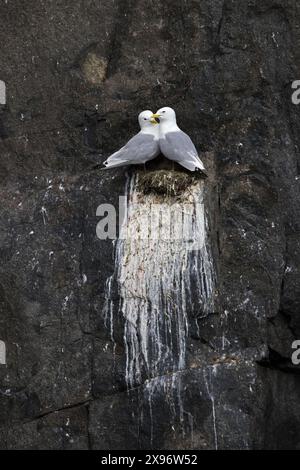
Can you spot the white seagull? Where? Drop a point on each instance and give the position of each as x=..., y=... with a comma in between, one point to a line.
x=143, y=147
x=175, y=144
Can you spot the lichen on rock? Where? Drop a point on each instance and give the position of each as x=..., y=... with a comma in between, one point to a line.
x=94, y=68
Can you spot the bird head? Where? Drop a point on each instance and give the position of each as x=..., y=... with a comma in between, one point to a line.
x=165, y=114
x=145, y=119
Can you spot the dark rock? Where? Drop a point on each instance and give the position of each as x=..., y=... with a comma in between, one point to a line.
x=66, y=429
x=75, y=79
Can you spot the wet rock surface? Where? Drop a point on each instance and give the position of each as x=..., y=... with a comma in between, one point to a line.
x=76, y=76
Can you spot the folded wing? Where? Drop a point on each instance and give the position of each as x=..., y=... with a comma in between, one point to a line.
x=179, y=147
x=138, y=150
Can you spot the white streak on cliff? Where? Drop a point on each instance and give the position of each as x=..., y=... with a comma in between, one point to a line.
x=162, y=263
x=163, y=274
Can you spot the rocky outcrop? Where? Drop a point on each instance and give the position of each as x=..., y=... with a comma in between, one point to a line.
x=75, y=77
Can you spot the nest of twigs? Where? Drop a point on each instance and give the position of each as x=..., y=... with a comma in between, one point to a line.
x=165, y=182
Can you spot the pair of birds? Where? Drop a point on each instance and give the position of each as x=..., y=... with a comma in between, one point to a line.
x=159, y=134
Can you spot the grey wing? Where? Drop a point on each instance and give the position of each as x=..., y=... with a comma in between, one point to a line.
x=179, y=147
x=139, y=149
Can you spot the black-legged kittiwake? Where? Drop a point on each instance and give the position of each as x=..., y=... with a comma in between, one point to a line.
x=141, y=148
x=175, y=144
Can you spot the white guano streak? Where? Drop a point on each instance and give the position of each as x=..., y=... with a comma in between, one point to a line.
x=162, y=262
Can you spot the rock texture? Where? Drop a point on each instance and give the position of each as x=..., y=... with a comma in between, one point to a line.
x=76, y=73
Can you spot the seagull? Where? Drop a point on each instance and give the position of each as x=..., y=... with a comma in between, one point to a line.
x=143, y=147
x=175, y=144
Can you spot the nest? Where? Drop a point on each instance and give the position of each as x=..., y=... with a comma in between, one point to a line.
x=165, y=182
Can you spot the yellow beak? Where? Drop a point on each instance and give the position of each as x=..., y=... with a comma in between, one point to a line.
x=153, y=118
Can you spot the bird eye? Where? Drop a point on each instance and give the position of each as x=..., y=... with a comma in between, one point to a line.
x=164, y=111
x=145, y=119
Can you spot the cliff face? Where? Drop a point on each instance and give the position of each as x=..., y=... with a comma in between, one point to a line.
x=76, y=74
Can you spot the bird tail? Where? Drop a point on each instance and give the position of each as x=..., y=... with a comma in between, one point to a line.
x=191, y=165
x=202, y=172
x=114, y=164
x=200, y=168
